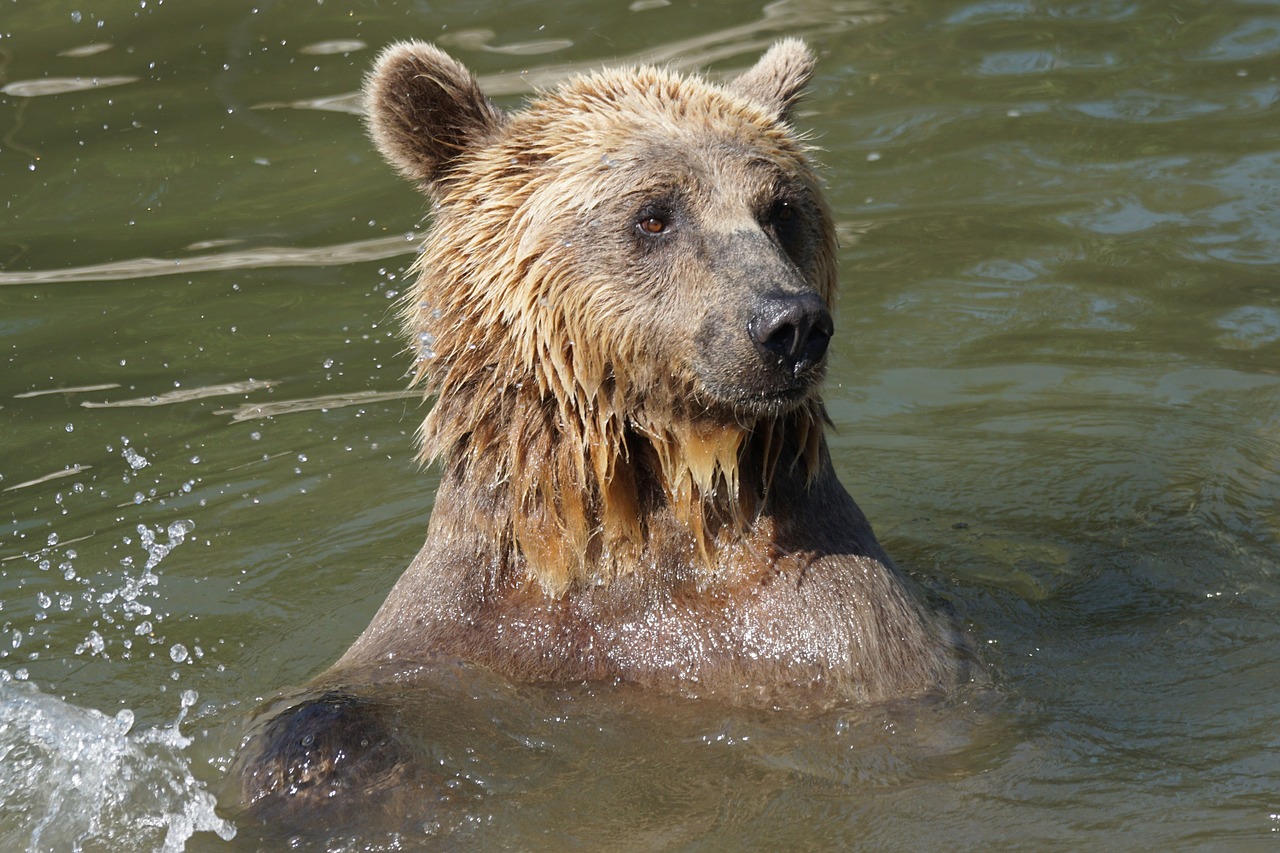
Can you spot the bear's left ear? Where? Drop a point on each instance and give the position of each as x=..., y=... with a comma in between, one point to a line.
x=779, y=78
x=424, y=109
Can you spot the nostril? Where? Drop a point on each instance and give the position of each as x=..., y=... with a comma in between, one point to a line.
x=792, y=329
x=819, y=337
x=784, y=340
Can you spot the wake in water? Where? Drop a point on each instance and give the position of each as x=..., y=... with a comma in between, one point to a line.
x=76, y=779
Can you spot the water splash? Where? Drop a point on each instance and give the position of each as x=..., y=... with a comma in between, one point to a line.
x=75, y=778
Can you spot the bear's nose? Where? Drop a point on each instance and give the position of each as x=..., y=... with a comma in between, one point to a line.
x=791, y=330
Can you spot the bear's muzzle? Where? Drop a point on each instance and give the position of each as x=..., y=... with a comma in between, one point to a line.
x=791, y=330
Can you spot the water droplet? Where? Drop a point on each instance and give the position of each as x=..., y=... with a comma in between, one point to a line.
x=124, y=720
x=178, y=653
x=93, y=644
x=135, y=459
x=179, y=530
x=426, y=345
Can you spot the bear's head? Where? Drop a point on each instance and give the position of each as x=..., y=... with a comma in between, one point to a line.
x=624, y=298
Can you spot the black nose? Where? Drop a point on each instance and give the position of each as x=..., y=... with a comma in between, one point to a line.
x=791, y=329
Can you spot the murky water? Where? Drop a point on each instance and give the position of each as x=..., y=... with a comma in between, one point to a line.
x=1055, y=387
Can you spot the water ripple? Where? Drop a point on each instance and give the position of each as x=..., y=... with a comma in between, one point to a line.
x=62, y=85
x=268, y=256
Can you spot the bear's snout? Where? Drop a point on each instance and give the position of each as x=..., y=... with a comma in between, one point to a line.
x=791, y=330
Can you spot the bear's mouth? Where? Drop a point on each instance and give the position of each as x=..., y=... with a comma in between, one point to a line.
x=750, y=402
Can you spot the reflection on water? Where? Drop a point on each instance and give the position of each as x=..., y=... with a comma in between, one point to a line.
x=135, y=268
x=61, y=85
x=743, y=43
x=1054, y=385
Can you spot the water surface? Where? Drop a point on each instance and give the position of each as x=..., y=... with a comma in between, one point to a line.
x=1054, y=384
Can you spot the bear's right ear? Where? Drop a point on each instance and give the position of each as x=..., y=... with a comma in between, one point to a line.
x=425, y=108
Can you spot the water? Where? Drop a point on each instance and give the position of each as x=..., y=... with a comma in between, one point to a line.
x=76, y=779
x=1054, y=385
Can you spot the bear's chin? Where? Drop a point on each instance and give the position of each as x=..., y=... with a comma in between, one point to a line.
x=748, y=406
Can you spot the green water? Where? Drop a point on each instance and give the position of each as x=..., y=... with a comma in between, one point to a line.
x=1055, y=389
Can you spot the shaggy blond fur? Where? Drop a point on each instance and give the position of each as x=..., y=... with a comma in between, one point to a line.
x=610, y=505
x=622, y=312
x=537, y=371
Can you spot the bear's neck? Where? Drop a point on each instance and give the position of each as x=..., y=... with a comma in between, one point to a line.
x=581, y=501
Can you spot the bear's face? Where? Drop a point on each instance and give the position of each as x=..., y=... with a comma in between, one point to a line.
x=654, y=238
x=703, y=249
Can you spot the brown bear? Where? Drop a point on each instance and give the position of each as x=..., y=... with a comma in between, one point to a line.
x=622, y=311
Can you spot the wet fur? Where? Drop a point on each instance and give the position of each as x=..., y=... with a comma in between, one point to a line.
x=627, y=492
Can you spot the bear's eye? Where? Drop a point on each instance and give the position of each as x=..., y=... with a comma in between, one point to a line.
x=782, y=213
x=786, y=219
x=653, y=224
x=656, y=221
